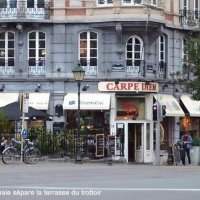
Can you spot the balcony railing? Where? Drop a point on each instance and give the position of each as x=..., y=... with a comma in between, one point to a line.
x=189, y=17
x=36, y=68
x=90, y=70
x=7, y=70
x=137, y=70
x=23, y=11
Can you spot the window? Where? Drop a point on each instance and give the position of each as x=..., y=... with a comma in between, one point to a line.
x=162, y=47
x=134, y=51
x=196, y=9
x=133, y=2
x=184, y=51
x=185, y=7
x=8, y=4
x=154, y=2
x=36, y=48
x=104, y=2
x=88, y=48
x=35, y=3
x=7, y=49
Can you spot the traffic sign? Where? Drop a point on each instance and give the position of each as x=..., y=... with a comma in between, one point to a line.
x=24, y=133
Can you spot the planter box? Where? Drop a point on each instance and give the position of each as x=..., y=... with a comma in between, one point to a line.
x=195, y=155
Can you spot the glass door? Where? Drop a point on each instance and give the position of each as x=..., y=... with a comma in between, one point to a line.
x=148, y=142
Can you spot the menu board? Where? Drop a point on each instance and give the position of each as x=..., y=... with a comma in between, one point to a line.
x=111, y=140
x=100, y=145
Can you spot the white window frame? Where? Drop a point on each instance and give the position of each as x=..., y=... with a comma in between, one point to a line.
x=185, y=6
x=88, y=47
x=184, y=53
x=6, y=48
x=105, y=4
x=154, y=2
x=37, y=58
x=132, y=3
x=8, y=3
x=35, y=4
x=133, y=49
x=164, y=48
x=196, y=9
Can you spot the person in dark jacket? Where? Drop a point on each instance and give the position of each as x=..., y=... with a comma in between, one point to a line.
x=187, y=145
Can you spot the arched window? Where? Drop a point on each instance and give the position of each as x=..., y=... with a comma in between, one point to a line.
x=134, y=52
x=7, y=49
x=88, y=49
x=36, y=48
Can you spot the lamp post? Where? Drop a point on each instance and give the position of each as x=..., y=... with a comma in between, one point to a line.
x=78, y=74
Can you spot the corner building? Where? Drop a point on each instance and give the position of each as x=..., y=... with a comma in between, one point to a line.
x=132, y=53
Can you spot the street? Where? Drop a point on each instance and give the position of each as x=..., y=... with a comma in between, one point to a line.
x=62, y=180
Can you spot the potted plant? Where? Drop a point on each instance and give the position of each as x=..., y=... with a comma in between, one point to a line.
x=195, y=151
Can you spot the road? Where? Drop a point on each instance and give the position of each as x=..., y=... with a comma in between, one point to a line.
x=98, y=181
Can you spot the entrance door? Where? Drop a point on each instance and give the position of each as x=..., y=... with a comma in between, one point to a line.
x=135, y=142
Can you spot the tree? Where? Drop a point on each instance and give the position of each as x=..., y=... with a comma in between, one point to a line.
x=192, y=60
x=5, y=124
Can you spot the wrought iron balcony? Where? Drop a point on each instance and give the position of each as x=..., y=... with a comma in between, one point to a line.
x=135, y=69
x=90, y=70
x=189, y=17
x=22, y=10
x=7, y=70
x=37, y=69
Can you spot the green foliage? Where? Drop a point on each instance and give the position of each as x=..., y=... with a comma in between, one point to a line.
x=193, y=62
x=5, y=125
x=196, y=141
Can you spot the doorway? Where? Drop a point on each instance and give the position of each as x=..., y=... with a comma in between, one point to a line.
x=135, y=143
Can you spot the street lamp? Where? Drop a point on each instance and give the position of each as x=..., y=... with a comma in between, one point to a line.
x=79, y=74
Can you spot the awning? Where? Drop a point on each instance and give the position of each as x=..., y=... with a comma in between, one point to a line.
x=39, y=101
x=192, y=106
x=173, y=108
x=7, y=98
x=88, y=101
x=12, y=112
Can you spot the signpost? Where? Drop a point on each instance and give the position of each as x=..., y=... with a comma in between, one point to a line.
x=24, y=103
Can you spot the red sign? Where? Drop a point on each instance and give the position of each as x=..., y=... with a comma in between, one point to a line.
x=128, y=86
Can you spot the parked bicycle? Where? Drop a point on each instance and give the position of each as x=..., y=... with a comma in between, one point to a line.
x=12, y=153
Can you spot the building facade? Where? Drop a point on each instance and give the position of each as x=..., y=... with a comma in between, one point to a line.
x=132, y=52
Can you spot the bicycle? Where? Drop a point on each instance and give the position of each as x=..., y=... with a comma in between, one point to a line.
x=12, y=153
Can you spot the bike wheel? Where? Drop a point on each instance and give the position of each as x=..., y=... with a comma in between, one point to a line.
x=10, y=156
x=32, y=156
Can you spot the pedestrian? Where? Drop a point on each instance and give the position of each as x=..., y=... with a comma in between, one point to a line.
x=187, y=145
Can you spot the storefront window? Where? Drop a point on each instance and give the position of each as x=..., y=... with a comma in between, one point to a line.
x=92, y=122
x=130, y=108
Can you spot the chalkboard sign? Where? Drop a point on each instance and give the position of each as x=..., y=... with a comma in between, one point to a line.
x=100, y=145
x=111, y=140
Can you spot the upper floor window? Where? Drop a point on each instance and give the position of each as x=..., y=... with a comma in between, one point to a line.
x=104, y=2
x=162, y=49
x=35, y=3
x=88, y=48
x=8, y=4
x=184, y=51
x=36, y=48
x=196, y=9
x=134, y=51
x=132, y=1
x=7, y=49
x=135, y=2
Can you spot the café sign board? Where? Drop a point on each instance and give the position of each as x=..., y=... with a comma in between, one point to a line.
x=129, y=86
